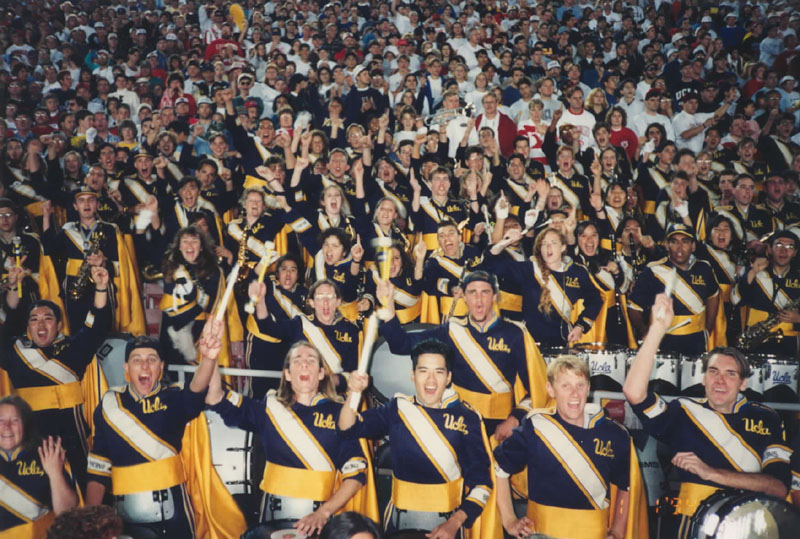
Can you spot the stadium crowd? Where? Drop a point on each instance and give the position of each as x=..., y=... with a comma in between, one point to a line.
x=528, y=199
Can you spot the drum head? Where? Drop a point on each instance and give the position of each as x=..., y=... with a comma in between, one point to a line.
x=600, y=347
x=549, y=353
x=391, y=373
x=727, y=515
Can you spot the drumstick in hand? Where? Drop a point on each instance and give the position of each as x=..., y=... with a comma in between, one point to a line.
x=371, y=335
x=659, y=312
x=250, y=308
x=222, y=307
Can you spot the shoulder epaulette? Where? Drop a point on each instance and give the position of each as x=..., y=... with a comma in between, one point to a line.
x=657, y=262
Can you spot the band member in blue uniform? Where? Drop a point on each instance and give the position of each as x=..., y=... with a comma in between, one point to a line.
x=438, y=444
x=694, y=285
x=138, y=437
x=337, y=339
x=35, y=485
x=772, y=287
x=46, y=368
x=286, y=298
x=720, y=441
x=574, y=455
x=306, y=457
x=551, y=286
x=498, y=369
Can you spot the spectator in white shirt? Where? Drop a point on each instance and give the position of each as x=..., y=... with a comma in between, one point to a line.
x=650, y=115
x=690, y=126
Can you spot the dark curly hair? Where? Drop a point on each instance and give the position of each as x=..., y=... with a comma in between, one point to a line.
x=206, y=261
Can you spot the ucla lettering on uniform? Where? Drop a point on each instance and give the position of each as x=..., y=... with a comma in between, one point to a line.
x=750, y=425
x=29, y=468
x=603, y=448
x=323, y=421
x=698, y=280
x=342, y=336
x=572, y=282
x=154, y=405
x=792, y=283
x=451, y=423
x=498, y=345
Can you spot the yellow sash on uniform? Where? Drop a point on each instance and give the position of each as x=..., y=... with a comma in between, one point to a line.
x=498, y=402
x=58, y=397
x=317, y=337
x=574, y=460
x=18, y=502
x=559, y=522
x=558, y=298
x=153, y=475
x=439, y=497
x=53, y=369
x=317, y=479
x=736, y=451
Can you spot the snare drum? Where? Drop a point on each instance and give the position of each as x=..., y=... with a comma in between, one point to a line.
x=112, y=358
x=780, y=379
x=692, y=377
x=666, y=374
x=391, y=373
x=741, y=515
x=607, y=364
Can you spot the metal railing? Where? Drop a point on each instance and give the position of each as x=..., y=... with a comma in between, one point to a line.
x=596, y=396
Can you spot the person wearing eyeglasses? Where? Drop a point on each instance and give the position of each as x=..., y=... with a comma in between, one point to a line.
x=771, y=286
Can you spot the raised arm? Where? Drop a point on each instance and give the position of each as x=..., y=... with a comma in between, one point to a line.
x=52, y=456
x=636, y=382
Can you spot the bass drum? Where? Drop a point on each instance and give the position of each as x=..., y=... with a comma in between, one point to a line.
x=391, y=373
x=112, y=357
x=276, y=529
x=239, y=459
x=744, y=515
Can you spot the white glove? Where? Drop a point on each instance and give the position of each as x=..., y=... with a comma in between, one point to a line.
x=499, y=211
x=91, y=134
x=530, y=217
x=682, y=209
x=143, y=219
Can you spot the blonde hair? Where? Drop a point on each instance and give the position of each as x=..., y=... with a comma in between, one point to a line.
x=286, y=395
x=545, y=305
x=567, y=362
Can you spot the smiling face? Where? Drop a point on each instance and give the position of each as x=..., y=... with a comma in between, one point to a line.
x=588, y=241
x=430, y=378
x=385, y=213
x=723, y=382
x=43, y=327
x=11, y=430
x=305, y=371
x=570, y=389
x=143, y=369
x=449, y=240
x=254, y=205
x=189, y=194
x=190, y=247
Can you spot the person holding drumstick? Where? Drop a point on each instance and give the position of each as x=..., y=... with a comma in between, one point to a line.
x=438, y=444
x=720, y=441
x=297, y=425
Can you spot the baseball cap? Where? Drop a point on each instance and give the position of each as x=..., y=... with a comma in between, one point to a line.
x=679, y=228
x=552, y=64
